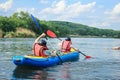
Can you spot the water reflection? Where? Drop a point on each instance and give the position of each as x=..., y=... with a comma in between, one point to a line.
x=61, y=72
x=28, y=73
x=65, y=73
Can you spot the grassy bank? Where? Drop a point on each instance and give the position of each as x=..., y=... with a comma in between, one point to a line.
x=20, y=32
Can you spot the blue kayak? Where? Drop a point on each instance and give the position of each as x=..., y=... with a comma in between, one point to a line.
x=35, y=61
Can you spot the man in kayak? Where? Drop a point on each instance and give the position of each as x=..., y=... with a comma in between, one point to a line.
x=39, y=48
x=66, y=45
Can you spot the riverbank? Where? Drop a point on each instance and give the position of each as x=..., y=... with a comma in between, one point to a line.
x=26, y=33
x=19, y=33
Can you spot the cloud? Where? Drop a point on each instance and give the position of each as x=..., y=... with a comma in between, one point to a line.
x=77, y=9
x=56, y=8
x=115, y=11
x=113, y=16
x=30, y=10
x=100, y=24
x=43, y=1
x=63, y=11
x=106, y=20
x=6, y=6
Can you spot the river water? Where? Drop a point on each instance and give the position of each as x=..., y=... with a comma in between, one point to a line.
x=104, y=64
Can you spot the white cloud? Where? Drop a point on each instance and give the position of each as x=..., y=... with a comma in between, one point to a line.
x=59, y=7
x=43, y=1
x=115, y=11
x=108, y=20
x=77, y=9
x=105, y=24
x=6, y=6
x=64, y=11
x=100, y=24
x=31, y=10
x=21, y=9
x=113, y=16
x=56, y=8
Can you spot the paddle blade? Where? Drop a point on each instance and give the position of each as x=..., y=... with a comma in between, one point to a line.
x=51, y=34
x=87, y=57
x=35, y=21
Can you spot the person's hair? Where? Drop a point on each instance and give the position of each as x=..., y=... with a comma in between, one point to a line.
x=43, y=43
x=68, y=38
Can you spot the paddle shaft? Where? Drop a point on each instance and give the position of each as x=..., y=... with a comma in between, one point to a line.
x=59, y=39
x=81, y=53
x=59, y=58
x=37, y=24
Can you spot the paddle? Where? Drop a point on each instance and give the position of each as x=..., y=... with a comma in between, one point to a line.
x=86, y=56
x=53, y=35
x=37, y=24
x=59, y=58
x=35, y=21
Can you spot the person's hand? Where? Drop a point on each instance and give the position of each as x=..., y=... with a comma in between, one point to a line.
x=60, y=44
x=55, y=51
x=43, y=34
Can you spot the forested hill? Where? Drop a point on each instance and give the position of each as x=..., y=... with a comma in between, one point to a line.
x=75, y=29
x=22, y=25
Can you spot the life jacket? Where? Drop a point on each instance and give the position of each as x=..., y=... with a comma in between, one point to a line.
x=65, y=46
x=38, y=50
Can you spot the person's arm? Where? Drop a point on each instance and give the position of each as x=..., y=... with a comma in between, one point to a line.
x=37, y=41
x=42, y=35
x=60, y=43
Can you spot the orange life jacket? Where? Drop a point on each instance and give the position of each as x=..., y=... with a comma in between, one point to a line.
x=38, y=50
x=66, y=46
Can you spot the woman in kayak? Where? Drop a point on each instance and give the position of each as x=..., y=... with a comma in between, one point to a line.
x=41, y=49
x=66, y=45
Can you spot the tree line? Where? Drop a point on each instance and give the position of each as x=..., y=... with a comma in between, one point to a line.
x=23, y=20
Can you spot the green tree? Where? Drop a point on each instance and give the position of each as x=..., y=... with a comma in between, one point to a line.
x=7, y=24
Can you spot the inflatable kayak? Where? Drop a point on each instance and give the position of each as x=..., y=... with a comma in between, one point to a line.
x=40, y=62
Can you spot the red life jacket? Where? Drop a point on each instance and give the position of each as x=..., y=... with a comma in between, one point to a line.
x=66, y=46
x=38, y=50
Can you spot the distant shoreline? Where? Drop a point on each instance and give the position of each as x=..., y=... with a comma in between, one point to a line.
x=26, y=33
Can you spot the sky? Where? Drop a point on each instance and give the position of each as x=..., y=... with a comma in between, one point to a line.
x=104, y=14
